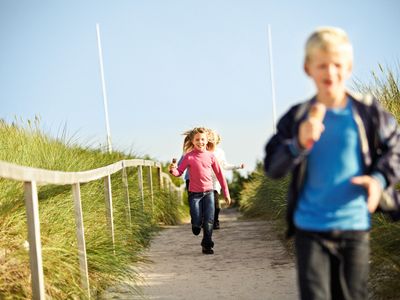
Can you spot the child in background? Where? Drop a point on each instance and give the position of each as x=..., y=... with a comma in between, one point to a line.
x=215, y=138
x=340, y=162
x=201, y=163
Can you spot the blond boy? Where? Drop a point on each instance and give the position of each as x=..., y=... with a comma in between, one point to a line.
x=342, y=150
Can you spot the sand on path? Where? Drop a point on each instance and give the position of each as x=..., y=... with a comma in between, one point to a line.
x=249, y=262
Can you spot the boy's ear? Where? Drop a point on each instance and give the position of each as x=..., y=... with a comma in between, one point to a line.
x=306, y=69
x=349, y=69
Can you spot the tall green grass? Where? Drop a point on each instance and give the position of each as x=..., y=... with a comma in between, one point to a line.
x=385, y=235
x=266, y=198
x=26, y=145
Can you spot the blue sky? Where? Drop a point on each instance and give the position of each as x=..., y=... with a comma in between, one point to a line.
x=173, y=65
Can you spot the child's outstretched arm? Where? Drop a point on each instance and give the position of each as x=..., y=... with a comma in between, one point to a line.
x=177, y=170
x=225, y=165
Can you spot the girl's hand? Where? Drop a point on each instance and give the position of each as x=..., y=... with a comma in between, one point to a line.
x=374, y=190
x=228, y=201
x=242, y=165
x=172, y=165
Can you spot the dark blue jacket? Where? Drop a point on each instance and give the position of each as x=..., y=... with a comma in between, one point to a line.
x=380, y=144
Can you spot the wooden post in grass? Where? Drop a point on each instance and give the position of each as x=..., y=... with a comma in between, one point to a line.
x=109, y=206
x=80, y=234
x=140, y=180
x=128, y=202
x=150, y=179
x=160, y=180
x=35, y=246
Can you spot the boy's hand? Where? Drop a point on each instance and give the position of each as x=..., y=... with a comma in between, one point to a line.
x=310, y=131
x=374, y=190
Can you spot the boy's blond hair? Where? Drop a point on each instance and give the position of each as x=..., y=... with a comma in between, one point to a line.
x=329, y=39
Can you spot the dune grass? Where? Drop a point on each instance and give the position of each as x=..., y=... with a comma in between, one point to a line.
x=26, y=145
x=385, y=235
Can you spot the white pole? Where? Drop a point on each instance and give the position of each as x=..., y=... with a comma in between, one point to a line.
x=103, y=83
x=272, y=80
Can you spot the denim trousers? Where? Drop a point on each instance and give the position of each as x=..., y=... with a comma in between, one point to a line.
x=332, y=265
x=202, y=214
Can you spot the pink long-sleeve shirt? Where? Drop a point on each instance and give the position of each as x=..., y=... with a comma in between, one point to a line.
x=201, y=165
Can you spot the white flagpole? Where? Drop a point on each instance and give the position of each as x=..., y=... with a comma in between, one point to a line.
x=103, y=83
x=272, y=80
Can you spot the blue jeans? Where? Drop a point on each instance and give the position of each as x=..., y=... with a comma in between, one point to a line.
x=332, y=265
x=202, y=214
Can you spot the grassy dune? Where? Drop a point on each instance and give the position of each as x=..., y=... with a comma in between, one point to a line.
x=26, y=145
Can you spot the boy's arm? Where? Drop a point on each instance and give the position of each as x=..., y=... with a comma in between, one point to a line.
x=385, y=169
x=221, y=179
x=388, y=161
x=283, y=151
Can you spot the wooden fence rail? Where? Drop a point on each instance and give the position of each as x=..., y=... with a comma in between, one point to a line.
x=33, y=177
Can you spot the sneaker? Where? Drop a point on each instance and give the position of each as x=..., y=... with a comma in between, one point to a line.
x=207, y=250
x=216, y=225
x=196, y=230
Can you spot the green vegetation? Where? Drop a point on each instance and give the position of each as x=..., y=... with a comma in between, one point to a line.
x=266, y=198
x=26, y=145
x=385, y=235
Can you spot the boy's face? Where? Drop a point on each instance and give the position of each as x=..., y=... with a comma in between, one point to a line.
x=200, y=141
x=329, y=70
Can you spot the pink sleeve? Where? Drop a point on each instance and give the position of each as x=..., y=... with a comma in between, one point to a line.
x=220, y=176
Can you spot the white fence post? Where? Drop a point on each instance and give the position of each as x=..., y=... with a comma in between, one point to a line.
x=150, y=178
x=109, y=206
x=80, y=233
x=160, y=180
x=180, y=193
x=35, y=246
x=140, y=180
x=128, y=202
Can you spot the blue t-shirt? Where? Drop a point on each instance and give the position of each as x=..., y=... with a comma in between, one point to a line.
x=329, y=201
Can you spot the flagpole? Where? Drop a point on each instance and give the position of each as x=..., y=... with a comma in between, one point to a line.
x=272, y=80
x=103, y=83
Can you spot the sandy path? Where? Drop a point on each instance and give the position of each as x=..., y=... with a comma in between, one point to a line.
x=249, y=263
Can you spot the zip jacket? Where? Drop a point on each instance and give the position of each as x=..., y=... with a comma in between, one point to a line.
x=379, y=137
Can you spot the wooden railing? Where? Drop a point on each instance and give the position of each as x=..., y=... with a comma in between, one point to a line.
x=32, y=177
